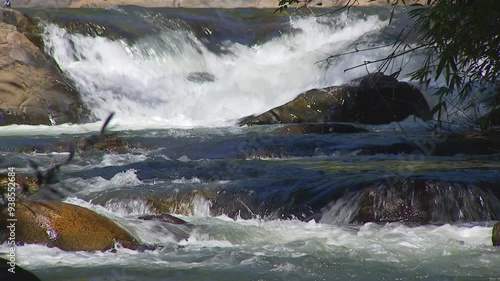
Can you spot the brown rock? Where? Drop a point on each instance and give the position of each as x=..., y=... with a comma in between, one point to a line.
x=32, y=88
x=164, y=218
x=182, y=202
x=66, y=226
x=495, y=235
x=377, y=99
x=26, y=183
x=106, y=142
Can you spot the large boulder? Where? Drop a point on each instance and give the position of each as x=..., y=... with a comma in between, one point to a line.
x=66, y=226
x=373, y=99
x=32, y=88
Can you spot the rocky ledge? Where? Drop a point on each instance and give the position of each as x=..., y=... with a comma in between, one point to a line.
x=32, y=88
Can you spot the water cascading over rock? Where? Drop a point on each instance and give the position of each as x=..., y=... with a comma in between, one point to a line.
x=415, y=201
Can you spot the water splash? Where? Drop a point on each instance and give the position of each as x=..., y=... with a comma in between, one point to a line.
x=147, y=81
x=414, y=201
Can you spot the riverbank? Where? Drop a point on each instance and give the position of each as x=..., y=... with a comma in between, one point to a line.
x=183, y=3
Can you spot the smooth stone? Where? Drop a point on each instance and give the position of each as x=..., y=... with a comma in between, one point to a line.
x=66, y=226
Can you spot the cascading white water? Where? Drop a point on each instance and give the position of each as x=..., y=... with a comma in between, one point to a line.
x=145, y=82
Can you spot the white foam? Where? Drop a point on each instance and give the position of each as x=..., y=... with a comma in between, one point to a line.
x=382, y=244
x=145, y=83
x=184, y=180
x=121, y=179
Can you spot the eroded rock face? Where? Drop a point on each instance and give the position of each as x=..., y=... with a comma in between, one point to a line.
x=33, y=90
x=66, y=226
x=377, y=99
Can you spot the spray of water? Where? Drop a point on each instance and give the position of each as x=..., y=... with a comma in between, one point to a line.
x=146, y=81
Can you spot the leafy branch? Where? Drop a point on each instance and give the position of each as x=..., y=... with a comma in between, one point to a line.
x=459, y=39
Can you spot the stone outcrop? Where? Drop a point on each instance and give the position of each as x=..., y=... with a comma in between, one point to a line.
x=495, y=235
x=66, y=226
x=376, y=99
x=32, y=88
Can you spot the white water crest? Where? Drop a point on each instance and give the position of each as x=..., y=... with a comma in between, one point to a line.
x=298, y=247
x=145, y=82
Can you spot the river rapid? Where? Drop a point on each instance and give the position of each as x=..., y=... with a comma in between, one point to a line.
x=178, y=81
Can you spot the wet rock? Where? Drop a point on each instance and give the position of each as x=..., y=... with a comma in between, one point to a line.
x=201, y=77
x=14, y=273
x=180, y=202
x=416, y=201
x=164, y=218
x=172, y=225
x=495, y=235
x=325, y=128
x=33, y=89
x=108, y=143
x=376, y=99
x=25, y=183
x=66, y=226
x=113, y=26
x=244, y=203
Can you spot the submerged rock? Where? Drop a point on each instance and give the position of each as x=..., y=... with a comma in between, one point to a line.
x=201, y=77
x=66, y=226
x=108, y=143
x=34, y=91
x=324, y=128
x=377, y=99
x=25, y=182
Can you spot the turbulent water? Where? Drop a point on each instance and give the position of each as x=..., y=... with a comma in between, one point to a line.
x=178, y=80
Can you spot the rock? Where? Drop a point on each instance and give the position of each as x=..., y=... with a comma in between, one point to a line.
x=164, y=218
x=109, y=143
x=377, y=99
x=201, y=77
x=66, y=226
x=416, y=201
x=325, y=128
x=26, y=183
x=181, y=202
x=495, y=235
x=18, y=273
x=179, y=228
x=33, y=89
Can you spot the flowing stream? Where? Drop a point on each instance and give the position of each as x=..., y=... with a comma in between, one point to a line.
x=287, y=209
